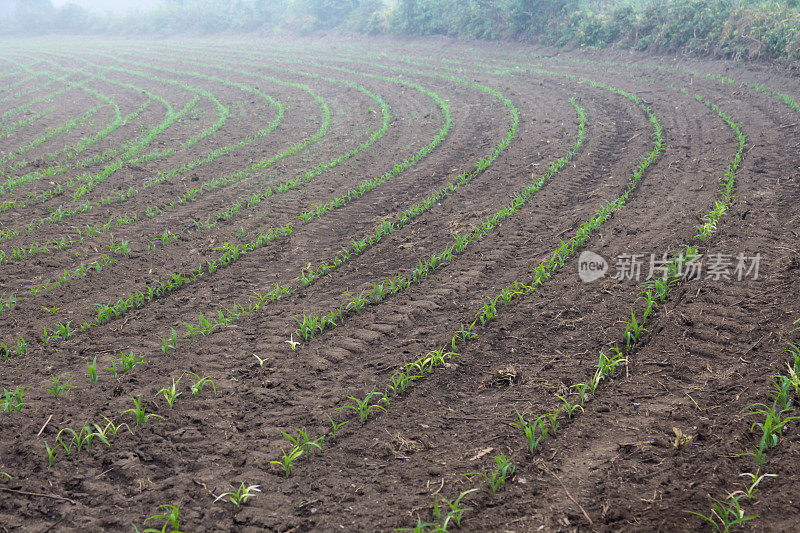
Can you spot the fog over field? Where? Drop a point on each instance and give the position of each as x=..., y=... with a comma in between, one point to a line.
x=115, y=6
x=411, y=265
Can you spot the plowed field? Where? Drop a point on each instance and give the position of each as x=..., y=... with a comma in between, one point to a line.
x=346, y=273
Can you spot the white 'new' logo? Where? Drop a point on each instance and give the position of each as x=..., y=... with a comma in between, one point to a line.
x=591, y=266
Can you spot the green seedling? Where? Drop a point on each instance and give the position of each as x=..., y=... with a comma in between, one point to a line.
x=582, y=389
x=12, y=400
x=400, y=380
x=725, y=515
x=447, y=511
x=138, y=411
x=773, y=424
x=130, y=360
x=303, y=442
x=307, y=327
x=287, y=459
x=633, y=329
x=379, y=291
x=356, y=303
x=752, y=488
x=240, y=496
x=52, y=454
x=260, y=361
x=197, y=386
x=92, y=368
x=114, y=428
x=60, y=384
x=552, y=418
x=170, y=343
x=535, y=431
x=171, y=394
x=90, y=435
x=363, y=407
x=569, y=407
x=171, y=518
x=64, y=330
x=335, y=427
x=67, y=445
x=497, y=477
x=22, y=346
x=422, y=527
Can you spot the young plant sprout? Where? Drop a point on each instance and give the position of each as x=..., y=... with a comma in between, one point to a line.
x=59, y=385
x=240, y=496
x=364, y=408
x=293, y=343
x=200, y=382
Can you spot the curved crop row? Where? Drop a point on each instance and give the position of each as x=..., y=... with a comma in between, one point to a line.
x=654, y=292
x=230, y=254
x=401, y=380
x=414, y=274
x=13, y=183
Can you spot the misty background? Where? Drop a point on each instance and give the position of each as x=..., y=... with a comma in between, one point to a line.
x=114, y=6
x=740, y=29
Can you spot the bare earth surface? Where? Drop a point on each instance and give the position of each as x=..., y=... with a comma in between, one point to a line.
x=182, y=162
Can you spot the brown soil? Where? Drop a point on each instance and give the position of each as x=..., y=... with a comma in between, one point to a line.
x=709, y=351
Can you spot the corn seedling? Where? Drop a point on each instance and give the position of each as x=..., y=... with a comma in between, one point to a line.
x=260, y=361
x=633, y=329
x=363, y=407
x=64, y=330
x=335, y=427
x=307, y=327
x=446, y=511
x=773, y=424
x=171, y=518
x=130, y=360
x=287, y=459
x=197, y=386
x=607, y=365
x=725, y=515
x=379, y=291
x=171, y=394
x=422, y=527
x=92, y=368
x=535, y=431
x=399, y=381
x=303, y=442
x=114, y=428
x=12, y=400
x=52, y=454
x=552, y=418
x=751, y=488
x=293, y=343
x=240, y=496
x=569, y=407
x=99, y=432
x=139, y=412
x=170, y=343
x=356, y=303
x=60, y=384
x=497, y=477
x=582, y=389
x=22, y=346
